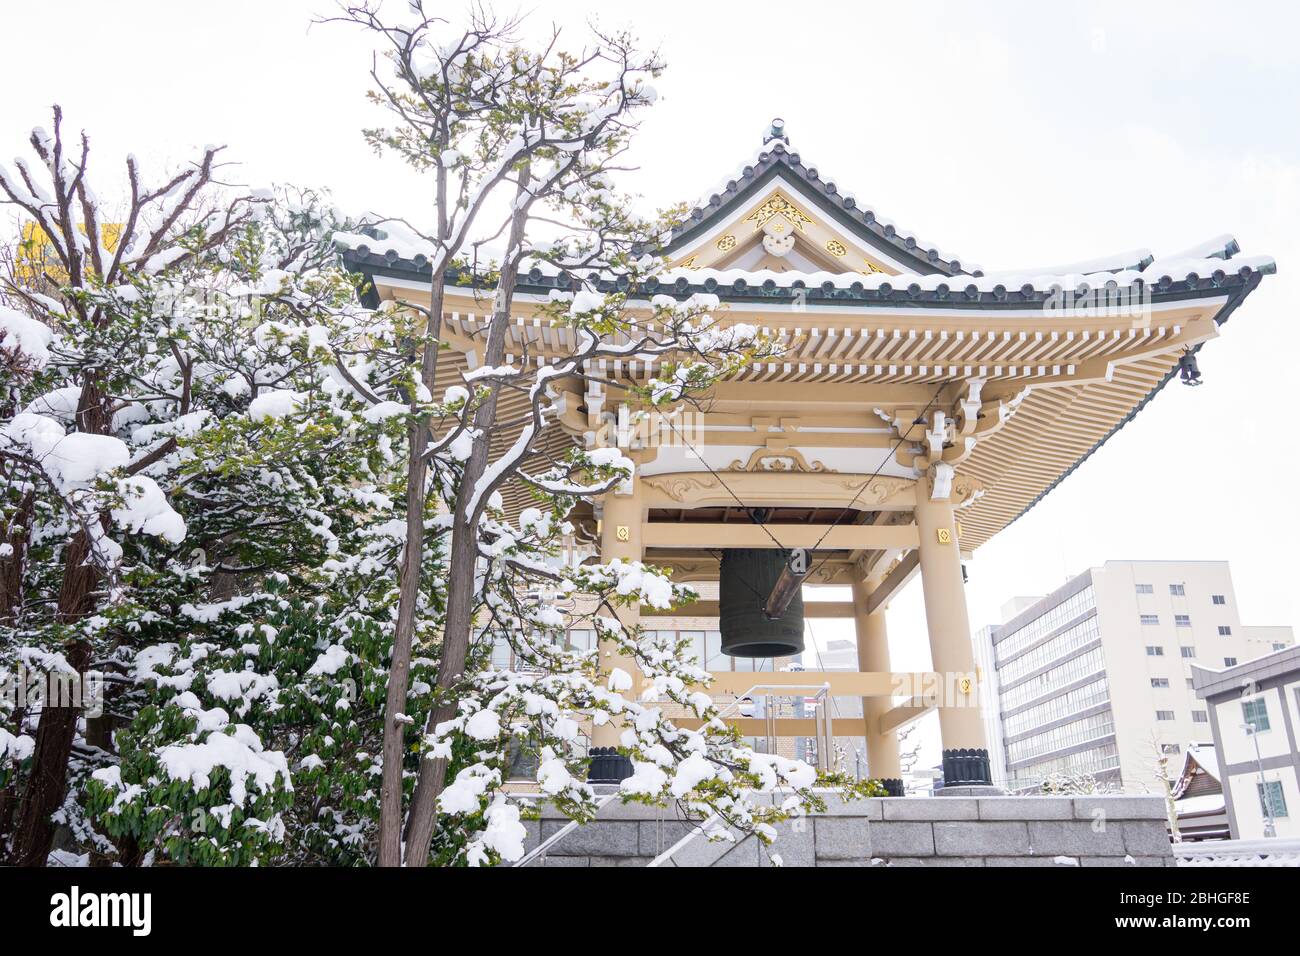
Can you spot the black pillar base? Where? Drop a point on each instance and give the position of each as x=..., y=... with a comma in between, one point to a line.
x=893, y=786
x=967, y=768
x=608, y=766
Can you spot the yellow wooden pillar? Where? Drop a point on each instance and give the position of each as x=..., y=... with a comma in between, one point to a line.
x=620, y=538
x=965, y=753
x=873, y=656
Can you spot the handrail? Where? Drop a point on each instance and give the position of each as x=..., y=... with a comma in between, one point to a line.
x=699, y=828
x=558, y=835
x=822, y=691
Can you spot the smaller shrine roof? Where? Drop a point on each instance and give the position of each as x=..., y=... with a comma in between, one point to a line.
x=1200, y=757
x=776, y=160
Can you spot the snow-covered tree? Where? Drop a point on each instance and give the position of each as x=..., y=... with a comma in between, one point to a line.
x=186, y=410
x=231, y=495
x=552, y=135
x=1164, y=773
x=80, y=356
x=292, y=496
x=1061, y=782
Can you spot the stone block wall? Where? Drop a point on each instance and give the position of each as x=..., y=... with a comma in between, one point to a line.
x=904, y=831
x=622, y=835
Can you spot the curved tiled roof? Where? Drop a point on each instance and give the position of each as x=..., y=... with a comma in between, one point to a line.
x=1243, y=288
x=1164, y=279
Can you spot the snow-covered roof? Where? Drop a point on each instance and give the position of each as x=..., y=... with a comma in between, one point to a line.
x=1131, y=259
x=1207, y=803
x=1251, y=859
x=929, y=276
x=1221, y=247
x=1210, y=682
x=1205, y=756
x=1167, y=277
x=1198, y=757
x=775, y=159
x=1160, y=272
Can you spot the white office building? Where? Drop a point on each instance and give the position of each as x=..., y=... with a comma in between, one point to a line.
x=990, y=706
x=1096, y=677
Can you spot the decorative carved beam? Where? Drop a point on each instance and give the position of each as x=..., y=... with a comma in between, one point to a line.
x=699, y=489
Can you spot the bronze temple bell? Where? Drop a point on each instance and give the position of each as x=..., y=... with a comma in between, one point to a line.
x=746, y=578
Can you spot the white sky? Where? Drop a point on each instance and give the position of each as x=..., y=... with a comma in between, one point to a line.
x=1009, y=133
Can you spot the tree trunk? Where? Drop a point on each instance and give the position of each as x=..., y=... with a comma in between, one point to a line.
x=47, y=786
x=451, y=665
x=399, y=672
x=11, y=567
x=423, y=816
x=9, y=795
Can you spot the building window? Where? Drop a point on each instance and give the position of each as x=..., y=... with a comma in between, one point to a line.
x=1177, y=590
x=1164, y=715
x=1094, y=760
x=1279, y=647
x=1160, y=682
x=1256, y=712
x=1073, y=701
x=1149, y=618
x=1218, y=599
x=1272, y=802
x=1170, y=749
x=1200, y=717
x=1154, y=651
x=1229, y=662
x=1061, y=737
x=1190, y=685
x=1145, y=589
x=1187, y=651
x=1069, y=614
x=1046, y=683
x=584, y=640
x=1225, y=630
x=1182, y=620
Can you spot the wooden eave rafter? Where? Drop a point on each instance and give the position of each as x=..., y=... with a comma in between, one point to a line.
x=915, y=346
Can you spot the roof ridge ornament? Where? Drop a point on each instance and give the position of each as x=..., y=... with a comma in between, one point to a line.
x=776, y=131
